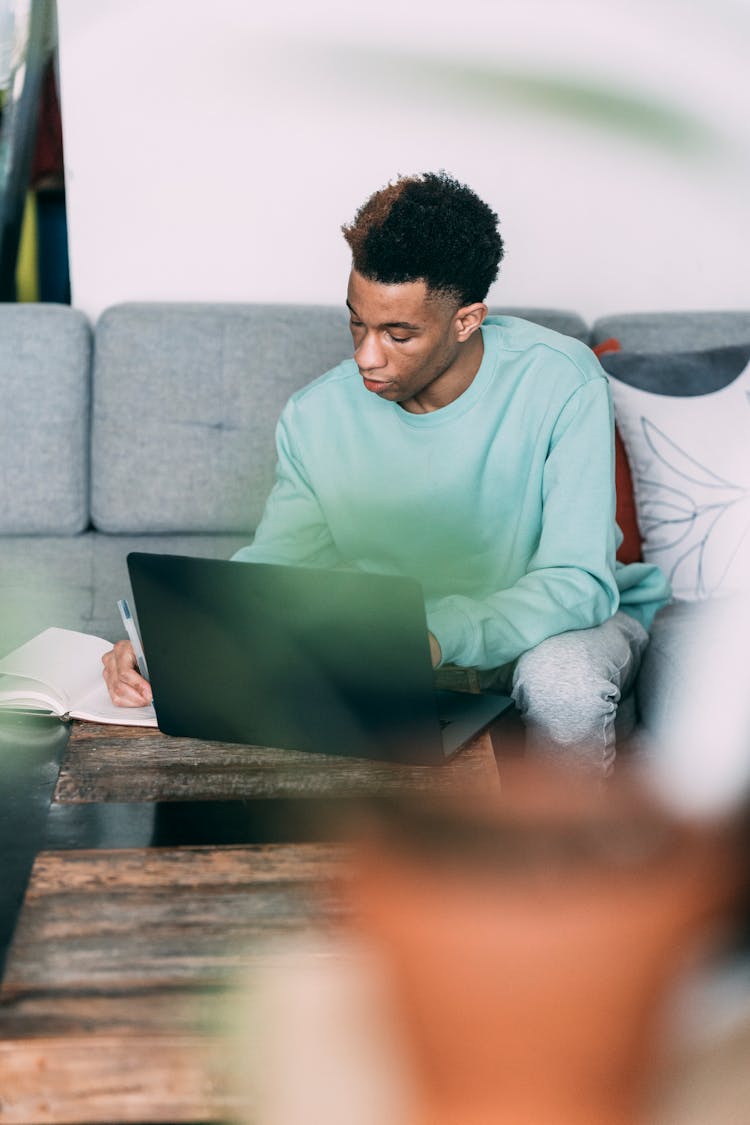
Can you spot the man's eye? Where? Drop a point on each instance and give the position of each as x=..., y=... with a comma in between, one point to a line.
x=399, y=339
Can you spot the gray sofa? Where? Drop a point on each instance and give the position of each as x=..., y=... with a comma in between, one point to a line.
x=154, y=431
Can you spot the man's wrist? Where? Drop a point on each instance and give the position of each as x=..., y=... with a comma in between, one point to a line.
x=436, y=654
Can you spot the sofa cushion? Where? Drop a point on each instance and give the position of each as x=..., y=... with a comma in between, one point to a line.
x=44, y=580
x=684, y=420
x=45, y=353
x=74, y=581
x=186, y=400
x=667, y=672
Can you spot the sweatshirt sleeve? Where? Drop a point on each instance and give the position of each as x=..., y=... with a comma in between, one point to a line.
x=570, y=580
x=293, y=530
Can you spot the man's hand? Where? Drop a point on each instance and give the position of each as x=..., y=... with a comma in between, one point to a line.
x=435, y=652
x=126, y=687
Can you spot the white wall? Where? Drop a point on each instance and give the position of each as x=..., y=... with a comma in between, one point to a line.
x=213, y=150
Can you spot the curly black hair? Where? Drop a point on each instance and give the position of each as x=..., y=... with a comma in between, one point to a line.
x=428, y=227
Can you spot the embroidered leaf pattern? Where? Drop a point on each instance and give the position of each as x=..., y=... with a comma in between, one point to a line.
x=675, y=517
x=680, y=462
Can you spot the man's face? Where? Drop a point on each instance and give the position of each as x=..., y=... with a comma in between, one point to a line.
x=404, y=341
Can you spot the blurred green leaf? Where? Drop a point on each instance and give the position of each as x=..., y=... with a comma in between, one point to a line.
x=579, y=101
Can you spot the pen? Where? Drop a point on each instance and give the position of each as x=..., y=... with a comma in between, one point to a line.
x=135, y=640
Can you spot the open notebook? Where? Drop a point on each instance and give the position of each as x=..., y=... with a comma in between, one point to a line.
x=60, y=671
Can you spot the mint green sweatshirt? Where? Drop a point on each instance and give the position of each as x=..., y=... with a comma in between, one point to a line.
x=501, y=504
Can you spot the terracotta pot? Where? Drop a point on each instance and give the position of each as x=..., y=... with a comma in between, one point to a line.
x=531, y=944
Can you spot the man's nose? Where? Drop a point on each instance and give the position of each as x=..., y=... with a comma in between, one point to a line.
x=369, y=354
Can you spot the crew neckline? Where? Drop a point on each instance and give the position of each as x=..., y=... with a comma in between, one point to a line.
x=466, y=400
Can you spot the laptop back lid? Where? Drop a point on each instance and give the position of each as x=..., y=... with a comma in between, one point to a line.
x=332, y=662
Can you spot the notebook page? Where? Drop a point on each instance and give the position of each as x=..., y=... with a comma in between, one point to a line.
x=15, y=691
x=97, y=707
x=69, y=662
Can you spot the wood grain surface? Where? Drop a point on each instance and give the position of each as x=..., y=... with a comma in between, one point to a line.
x=127, y=919
x=92, y=1079
x=116, y=980
x=109, y=763
x=111, y=1006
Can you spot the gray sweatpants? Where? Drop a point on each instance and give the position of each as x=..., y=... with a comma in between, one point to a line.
x=568, y=688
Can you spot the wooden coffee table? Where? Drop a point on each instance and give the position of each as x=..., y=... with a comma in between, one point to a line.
x=121, y=954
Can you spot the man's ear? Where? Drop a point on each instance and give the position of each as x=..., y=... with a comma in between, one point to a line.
x=469, y=319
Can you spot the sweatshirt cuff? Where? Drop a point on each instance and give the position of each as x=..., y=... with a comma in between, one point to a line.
x=452, y=632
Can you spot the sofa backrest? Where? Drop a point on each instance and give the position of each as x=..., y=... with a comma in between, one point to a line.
x=45, y=355
x=569, y=323
x=186, y=400
x=185, y=403
x=673, y=331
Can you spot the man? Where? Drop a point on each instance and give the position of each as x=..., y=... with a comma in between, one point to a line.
x=474, y=454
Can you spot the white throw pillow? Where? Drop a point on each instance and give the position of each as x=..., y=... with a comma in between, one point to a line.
x=690, y=459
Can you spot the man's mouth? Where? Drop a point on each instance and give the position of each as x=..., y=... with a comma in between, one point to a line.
x=377, y=386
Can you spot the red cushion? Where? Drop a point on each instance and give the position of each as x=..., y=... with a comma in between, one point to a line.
x=630, y=548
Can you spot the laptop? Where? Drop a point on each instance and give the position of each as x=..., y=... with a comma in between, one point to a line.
x=328, y=661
